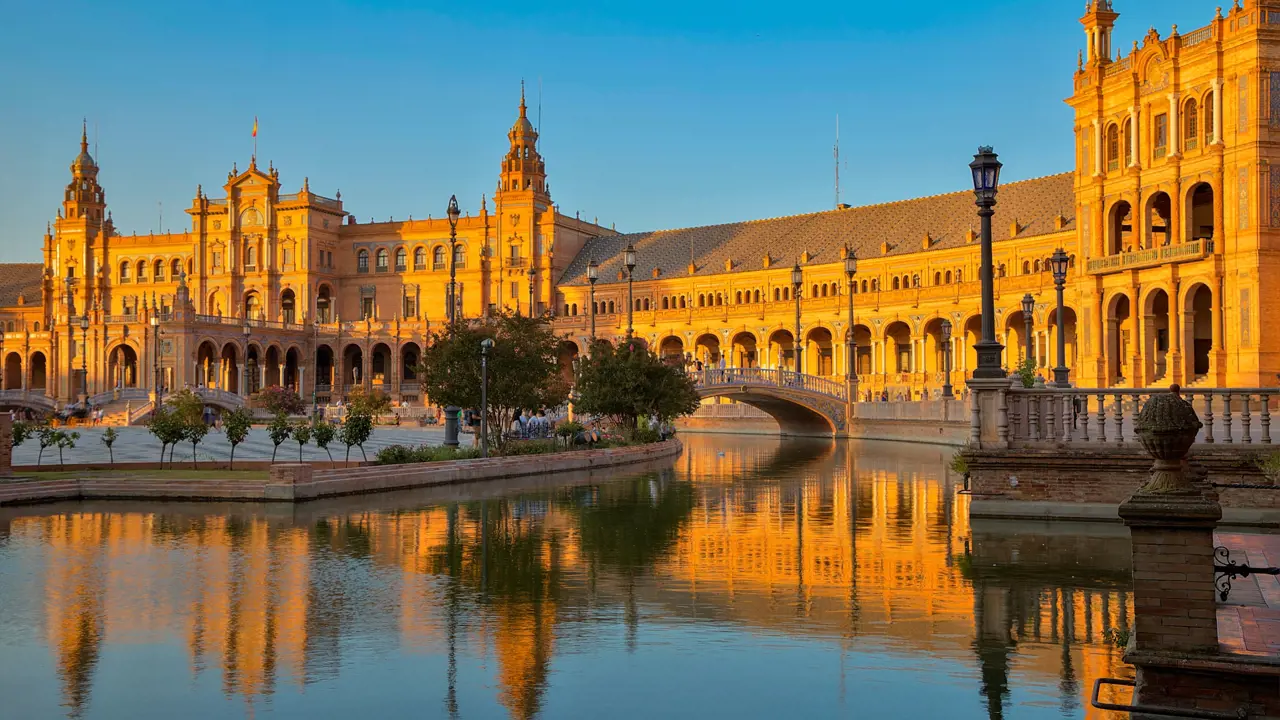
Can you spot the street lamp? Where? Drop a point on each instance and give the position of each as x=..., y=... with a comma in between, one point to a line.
x=485, y=346
x=532, y=274
x=1028, y=316
x=629, y=259
x=155, y=376
x=247, y=330
x=946, y=360
x=453, y=213
x=986, y=180
x=84, y=357
x=593, y=274
x=1059, y=262
x=797, y=278
x=315, y=355
x=851, y=345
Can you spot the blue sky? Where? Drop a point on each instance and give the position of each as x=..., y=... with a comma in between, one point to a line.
x=654, y=115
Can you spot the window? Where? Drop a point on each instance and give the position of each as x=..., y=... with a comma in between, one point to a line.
x=142, y=271
x=125, y=272
x=158, y=271
x=1161, y=132
x=611, y=308
x=515, y=291
x=757, y=296
x=1190, y=125
x=366, y=308
x=682, y=307
x=251, y=258
x=362, y=261
x=410, y=305
x=460, y=257
x=646, y=303
x=419, y=259
x=1208, y=120
x=382, y=260
x=574, y=309
x=896, y=283
x=665, y=303
x=217, y=261
x=1026, y=267
x=401, y=258
x=1113, y=148
x=937, y=278
x=437, y=258
x=1128, y=143
x=948, y=277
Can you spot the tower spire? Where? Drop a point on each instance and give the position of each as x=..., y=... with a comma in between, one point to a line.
x=84, y=134
x=522, y=106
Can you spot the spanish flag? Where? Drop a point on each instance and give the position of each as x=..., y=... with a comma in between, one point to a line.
x=255, y=126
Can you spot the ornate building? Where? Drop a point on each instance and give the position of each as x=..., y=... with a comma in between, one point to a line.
x=1167, y=217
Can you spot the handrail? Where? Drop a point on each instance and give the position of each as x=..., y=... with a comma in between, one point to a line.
x=772, y=377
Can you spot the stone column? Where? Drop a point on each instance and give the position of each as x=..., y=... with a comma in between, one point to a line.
x=1133, y=140
x=1175, y=136
x=1176, y=329
x=1099, y=166
x=1217, y=112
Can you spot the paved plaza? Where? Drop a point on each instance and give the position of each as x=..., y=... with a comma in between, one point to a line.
x=137, y=444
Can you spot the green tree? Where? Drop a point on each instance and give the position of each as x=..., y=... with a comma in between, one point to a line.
x=278, y=430
x=372, y=403
x=47, y=435
x=524, y=371
x=236, y=425
x=64, y=440
x=323, y=432
x=276, y=400
x=630, y=381
x=187, y=406
x=22, y=432
x=301, y=435
x=356, y=430
x=167, y=426
x=194, y=432
x=109, y=439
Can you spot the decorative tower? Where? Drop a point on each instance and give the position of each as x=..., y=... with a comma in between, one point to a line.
x=1098, y=21
x=523, y=206
x=523, y=169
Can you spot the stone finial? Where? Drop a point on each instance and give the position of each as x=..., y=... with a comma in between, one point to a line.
x=1167, y=425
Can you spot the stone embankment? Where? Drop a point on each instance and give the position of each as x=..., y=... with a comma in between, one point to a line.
x=295, y=482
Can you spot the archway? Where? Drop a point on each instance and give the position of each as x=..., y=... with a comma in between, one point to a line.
x=862, y=339
x=13, y=371
x=253, y=368
x=898, y=335
x=782, y=349
x=567, y=360
x=206, y=365
x=324, y=368
x=820, y=359
x=1015, y=340
x=972, y=336
x=272, y=376
x=252, y=306
x=352, y=366
x=324, y=305
x=1198, y=319
x=380, y=370
x=216, y=305
x=671, y=350
x=122, y=366
x=40, y=371
x=1069, y=334
x=288, y=311
x=1159, y=220
x=231, y=368
x=707, y=349
x=1198, y=211
x=1155, y=337
x=793, y=418
x=291, y=375
x=744, y=350
x=1120, y=228
x=410, y=357
x=1119, y=335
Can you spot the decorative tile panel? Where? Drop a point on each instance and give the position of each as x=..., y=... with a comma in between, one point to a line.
x=1242, y=192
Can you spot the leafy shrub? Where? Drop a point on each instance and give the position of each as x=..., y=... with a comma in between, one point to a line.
x=278, y=430
x=277, y=400
x=1027, y=372
x=236, y=425
x=403, y=454
x=109, y=439
x=356, y=430
x=323, y=433
x=531, y=447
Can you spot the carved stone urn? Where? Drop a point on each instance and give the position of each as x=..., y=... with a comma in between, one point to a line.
x=1167, y=425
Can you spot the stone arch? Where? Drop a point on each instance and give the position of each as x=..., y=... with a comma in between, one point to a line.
x=795, y=414
x=1158, y=211
x=1198, y=330
x=782, y=349
x=12, y=370
x=671, y=349
x=707, y=349
x=1197, y=212
x=288, y=306
x=39, y=365
x=251, y=305
x=819, y=356
x=352, y=365
x=122, y=365
x=902, y=359
x=1119, y=323
x=743, y=349
x=380, y=364
x=325, y=367
x=1119, y=230
x=231, y=364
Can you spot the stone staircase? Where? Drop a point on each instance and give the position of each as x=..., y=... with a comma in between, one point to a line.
x=1198, y=381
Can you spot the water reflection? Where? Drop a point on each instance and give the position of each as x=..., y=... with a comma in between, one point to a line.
x=833, y=577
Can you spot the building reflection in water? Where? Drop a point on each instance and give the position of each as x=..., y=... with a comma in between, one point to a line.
x=863, y=546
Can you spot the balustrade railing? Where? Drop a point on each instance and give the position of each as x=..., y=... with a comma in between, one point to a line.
x=774, y=377
x=1195, y=37
x=1086, y=416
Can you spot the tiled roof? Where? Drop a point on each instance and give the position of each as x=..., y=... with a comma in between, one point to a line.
x=946, y=219
x=20, y=279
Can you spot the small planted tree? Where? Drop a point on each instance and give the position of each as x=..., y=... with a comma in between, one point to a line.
x=301, y=435
x=167, y=427
x=22, y=432
x=47, y=435
x=322, y=432
x=278, y=430
x=236, y=425
x=356, y=430
x=64, y=440
x=373, y=403
x=194, y=432
x=109, y=439
x=276, y=400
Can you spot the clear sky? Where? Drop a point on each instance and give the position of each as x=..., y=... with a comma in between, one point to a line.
x=667, y=113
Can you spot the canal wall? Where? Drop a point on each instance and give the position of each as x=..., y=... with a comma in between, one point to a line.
x=1090, y=484
x=297, y=482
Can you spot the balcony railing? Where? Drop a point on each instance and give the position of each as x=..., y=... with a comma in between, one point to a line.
x=1184, y=252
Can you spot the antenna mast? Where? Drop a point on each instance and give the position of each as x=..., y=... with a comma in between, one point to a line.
x=837, y=156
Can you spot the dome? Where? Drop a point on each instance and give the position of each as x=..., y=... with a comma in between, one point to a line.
x=83, y=161
x=522, y=126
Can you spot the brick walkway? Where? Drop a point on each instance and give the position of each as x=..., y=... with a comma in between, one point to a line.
x=1249, y=621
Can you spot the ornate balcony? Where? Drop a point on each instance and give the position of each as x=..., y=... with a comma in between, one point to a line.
x=1185, y=252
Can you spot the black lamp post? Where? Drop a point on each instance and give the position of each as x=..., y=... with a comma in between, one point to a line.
x=1060, y=263
x=629, y=259
x=946, y=360
x=532, y=276
x=485, y=346
x=851, y=345
x=453, y=213
x=986, y=180
x=71, y=336
x=155, y=335
x=1028, y=317
x=247, y=331
x=84, y=356
x=315, y=355
x=593, y=274
x=797, y=277
x=367, y=377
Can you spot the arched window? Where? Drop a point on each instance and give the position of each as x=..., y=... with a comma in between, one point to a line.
x=362, y=261
x=566, y=308
x=864, y=286
x=1026, y=267
x=36, y=327
x=125, y=272
x=875, y=285
x=419, y=259
x=835, y=289
x=682, y=307
x=1208, y=119
x=665, y=303
x=401, y=258
x=959, y=277
x=646, y=303
x=896, y=283
x=251, y=257
x=1128, y=143
x=915, y=281
x=815, y=291
x=142, y=271
x=719, y=299
x=1000, y=271
x=381, y=260
x=574, y=308
x=738, y=297
x=757, y=296
x=937, y=278
x=702, y=301
x=1113, y=148
x=157, y=271
x=611, y=310
x=437, y=258
x=948, y=277
x=786, y=293
x=777, y=294
x=1190, y=125
x=460, y=256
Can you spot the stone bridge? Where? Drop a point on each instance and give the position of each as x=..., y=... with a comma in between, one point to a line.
x=34, y=400
x=801, y=404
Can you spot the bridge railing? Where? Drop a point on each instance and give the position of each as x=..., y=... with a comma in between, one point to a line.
x=772, y=377
x=222, y=397
x=29, y=398
x=1087, y=416
x=955, y=410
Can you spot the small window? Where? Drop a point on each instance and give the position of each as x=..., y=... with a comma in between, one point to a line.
x=401, y=258
x=419, y=259
x=460, y=257
x=142, y=272
x=1113, y=148
x=437, y=258
x=1161, y=132
x=366, y=308
x=158, y=271
x=682, y=304
x=125, y=272
x=362, y=261
x=382, y=260
x=515, y=291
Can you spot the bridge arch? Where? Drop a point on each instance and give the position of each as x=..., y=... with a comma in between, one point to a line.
x=801, y=404
x=794, y=416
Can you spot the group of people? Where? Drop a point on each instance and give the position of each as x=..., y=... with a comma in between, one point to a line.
x=528, y=425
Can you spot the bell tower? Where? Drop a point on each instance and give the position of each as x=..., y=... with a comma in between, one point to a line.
x=79, y=236
x=523, y=169
x=84, y=197
x=1098, y=21
x=523, y=206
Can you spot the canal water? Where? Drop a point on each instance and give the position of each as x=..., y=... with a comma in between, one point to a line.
x=754, y=577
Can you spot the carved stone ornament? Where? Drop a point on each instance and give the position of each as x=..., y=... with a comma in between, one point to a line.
x=1167, y=427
